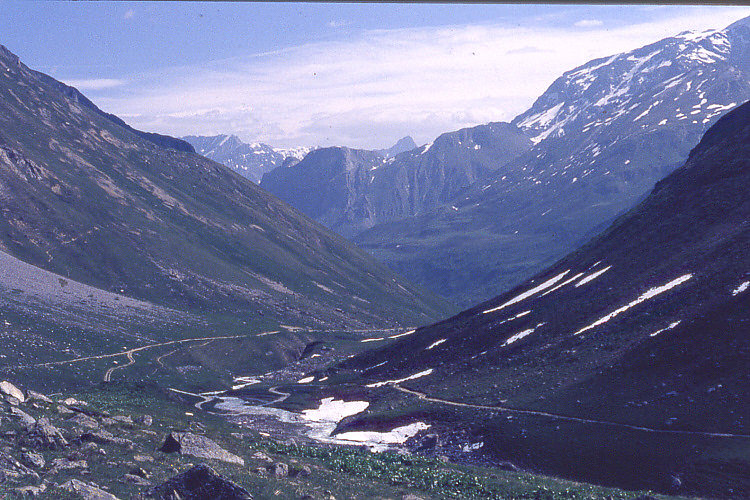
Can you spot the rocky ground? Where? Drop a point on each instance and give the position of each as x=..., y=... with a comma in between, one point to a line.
x=135, y=442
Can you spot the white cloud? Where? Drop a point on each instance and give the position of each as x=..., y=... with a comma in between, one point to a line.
x=95, y=83
x=588, y=23
x=372, y=88
x=129, y=14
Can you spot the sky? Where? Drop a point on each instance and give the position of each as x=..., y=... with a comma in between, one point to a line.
x=294, y=74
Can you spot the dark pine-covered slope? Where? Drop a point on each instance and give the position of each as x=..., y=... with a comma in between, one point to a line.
x=87, y=197
x=647, y=325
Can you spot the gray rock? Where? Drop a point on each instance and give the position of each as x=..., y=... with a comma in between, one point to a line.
x=135, y=479
x=44, y=435
x=32, y=459
x=11, y=390
x=409, y=496
x=31, y=491
x=11, y=400
x=10, y=467
x=26, y=420
x=84, y=421
x=64, y=410
x=123, y=419
x=88, y=491
x=38, y=396
x=187, y=443
x=59, y=464
x=100, y=436
x=279, y=470
x=259, y=455
x=146, y=420
x=143, y=458
x=200, y=482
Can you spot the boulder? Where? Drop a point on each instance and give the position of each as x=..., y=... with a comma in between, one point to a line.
x=84, y=421
x=199, y=483
x=64, y=410
x=11, y=390
x=146, y=420
x=259, y=455
x=136, y=480
x=87, y=491
x=37, y=396
x=30, y=491
x=279, y=470
x=32, y=459
x=44, y=435
x=100, y=436
x=26, y=420
x=59, y=464
x=10, y=467
x=123, y=419
x=187, y=443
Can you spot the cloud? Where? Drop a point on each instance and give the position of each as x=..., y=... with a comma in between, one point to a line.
x=376, y=86
x=588, y=23
x=129, y=14
x=339, y=23
x=95, y=83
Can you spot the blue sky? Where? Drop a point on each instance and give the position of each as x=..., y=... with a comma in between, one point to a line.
x=319, y=74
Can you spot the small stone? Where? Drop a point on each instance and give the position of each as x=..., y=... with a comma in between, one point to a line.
x=44, y=435
x=123, y=419
x=146, y=420
x=33, y=459
x=73, y=402
x=143, y=458
x=261, y=471
x=31, y=491
x=11, y=390
x=279, y=470
x=64, y=410
x=137, y=480
x=409, y=496
x=88, y=491
x=305, y=471
x=84, y=421
x=26, y=420
x=187, y=443
x=11, y=400
x=259, y=455
x=139, y=471
x=38, y=396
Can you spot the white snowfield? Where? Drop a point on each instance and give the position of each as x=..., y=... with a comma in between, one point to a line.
x=651, y=293
x=402, y=334
x=334, y=410
x=398, y=381
x=380, y=441
x=305, y=380
x=525, y=295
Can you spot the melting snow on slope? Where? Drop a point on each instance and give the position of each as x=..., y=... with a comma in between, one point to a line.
x=529, y=293
x=592, y=277
x=305, y=380
x=334, y=410
x=380, y=441
x=435, y=344
x=566, y=282
x=401, y=334
x=651, y=293
x=744, y=286
x=519, y=336
x=398, y=381
x=671, y=325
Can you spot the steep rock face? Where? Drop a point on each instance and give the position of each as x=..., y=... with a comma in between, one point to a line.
x=402, y=145
x=352, y=190
x=645, y=326
x=89, y=199
x=604, y=133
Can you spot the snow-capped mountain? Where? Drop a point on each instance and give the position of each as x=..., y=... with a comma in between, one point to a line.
x=249, y=160
x=603, y=134
x=625, y=362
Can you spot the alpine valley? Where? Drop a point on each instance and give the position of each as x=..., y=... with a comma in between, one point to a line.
x=183, y=318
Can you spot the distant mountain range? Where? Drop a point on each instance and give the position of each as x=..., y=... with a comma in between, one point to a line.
x=94, y=203
x=602, y=135
x=623, y=363
x=249, y=160
x=352, y=190
x=256, y=159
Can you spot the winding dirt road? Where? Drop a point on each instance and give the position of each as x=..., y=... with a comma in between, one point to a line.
x=555, y=416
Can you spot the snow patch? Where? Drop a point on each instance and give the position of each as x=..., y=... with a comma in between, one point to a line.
x=518, y=298
x=592, y=277
x=671, y=325
x=651, y=293
x=398, y=381
x=744, y=286
x=334, y=410
x=435, y=344
x=380, y=441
